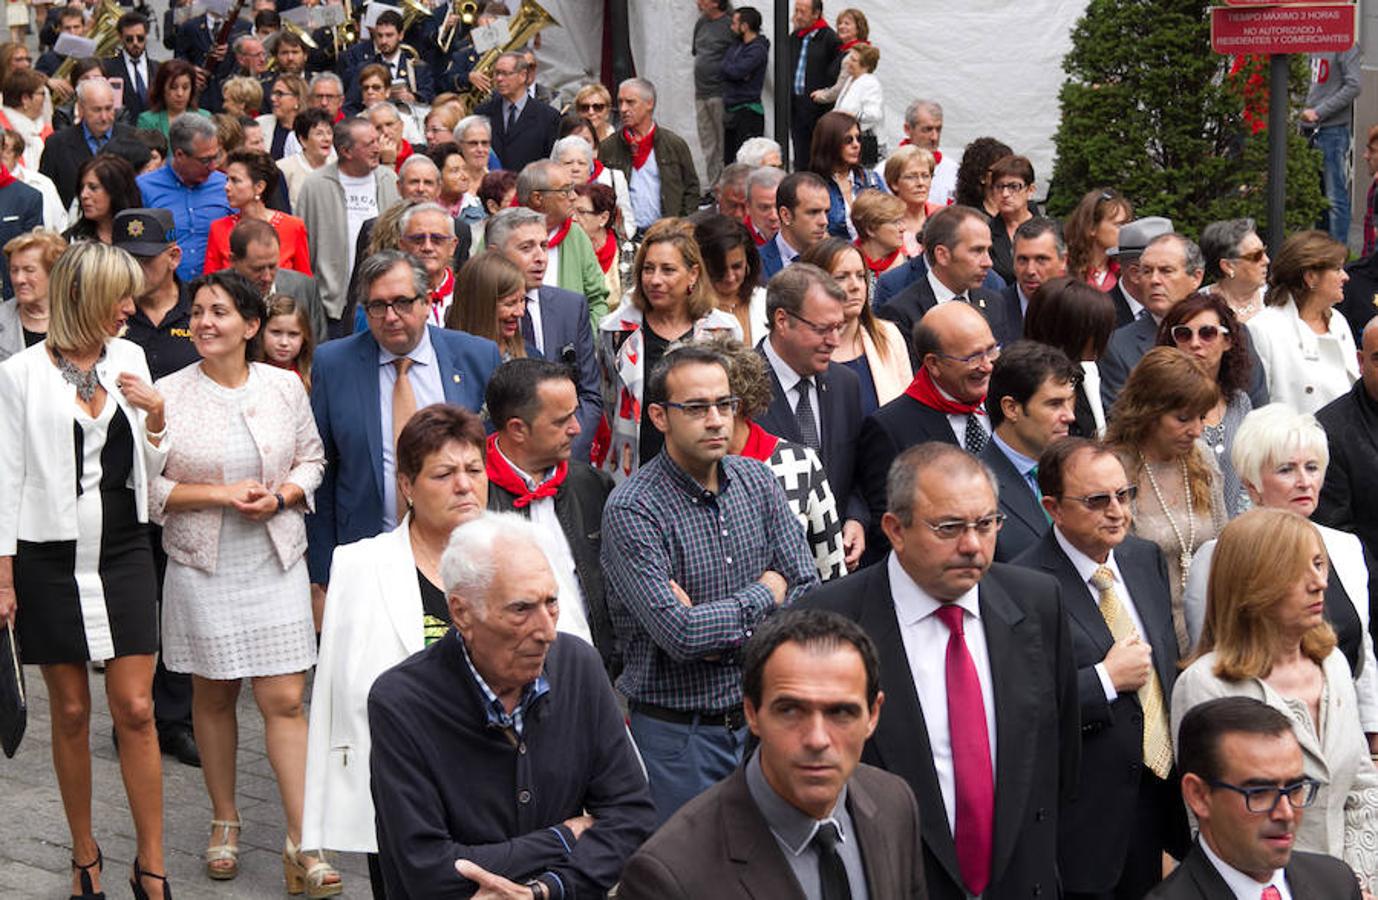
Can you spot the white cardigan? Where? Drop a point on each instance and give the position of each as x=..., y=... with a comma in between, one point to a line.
x=1305, y=370
x=863, y=98
x=37, y=464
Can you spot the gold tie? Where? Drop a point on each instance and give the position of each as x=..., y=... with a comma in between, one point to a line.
x=403, y=407
x=1157, y=744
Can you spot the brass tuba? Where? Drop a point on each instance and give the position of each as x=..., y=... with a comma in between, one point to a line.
x=531, y=17
x=103, y=32
x=413, y=11
x=468, y=15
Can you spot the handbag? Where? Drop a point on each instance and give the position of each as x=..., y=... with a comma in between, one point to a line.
x=14, y=714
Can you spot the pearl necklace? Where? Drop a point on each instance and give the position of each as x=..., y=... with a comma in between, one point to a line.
x=1190, y=542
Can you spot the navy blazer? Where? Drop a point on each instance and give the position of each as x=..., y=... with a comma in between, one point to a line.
x=1036, y=726
x=1013, y=310
x=344, y=398
x=906, y=308
x=531, y=138
x=194, y=38
x=1308, y=875
x=21, y=211
x=771, y=263
x=1025, y=521
x=1123, y=314
x=896, y=280
x=885, y=433
x=1096, y=827
x=568, y=339
x=839, y=414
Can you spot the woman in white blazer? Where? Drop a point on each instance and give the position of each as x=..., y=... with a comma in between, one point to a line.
x=1307, y=351
x=84, y=434
x=1265, y=636
x=862, y=95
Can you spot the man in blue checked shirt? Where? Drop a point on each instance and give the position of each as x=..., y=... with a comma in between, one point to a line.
x=698, y=548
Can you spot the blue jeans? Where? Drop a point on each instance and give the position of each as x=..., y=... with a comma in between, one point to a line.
x=683, y=761
x=1334, y=143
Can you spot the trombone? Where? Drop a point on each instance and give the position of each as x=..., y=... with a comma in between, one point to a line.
x=468, y=15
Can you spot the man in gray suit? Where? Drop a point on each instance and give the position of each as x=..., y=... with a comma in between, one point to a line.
x=254, y=254
x=801, y=819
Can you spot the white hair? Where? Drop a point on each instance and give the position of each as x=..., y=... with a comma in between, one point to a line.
x=428, y=207
x=463, y=125
x=575, y=143
x=418, y=159
x=1268, y=434
x=754, y=151
x=470, y=561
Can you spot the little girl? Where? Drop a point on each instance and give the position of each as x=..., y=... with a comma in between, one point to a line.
x=287, y=338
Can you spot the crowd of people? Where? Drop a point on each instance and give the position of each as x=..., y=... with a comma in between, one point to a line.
x=857, y=529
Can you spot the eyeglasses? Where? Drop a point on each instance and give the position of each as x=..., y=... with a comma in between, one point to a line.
x=477, y=143
x=1254, y=257
x=283, y=94
x=990, y=354
x=422, y=239
x=1009, y=187
x=505, y=73
x=592, y=107
x=1265, y=799
x=207, y=161
x=378, y=309
x=951, y=529
x=1101, y=502
x=133, y=38
x=820, y=330
x=567, y=190
x=698, y=409
x=1207, y=333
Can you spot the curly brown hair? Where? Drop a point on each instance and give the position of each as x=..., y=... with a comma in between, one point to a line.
x=1235, y=365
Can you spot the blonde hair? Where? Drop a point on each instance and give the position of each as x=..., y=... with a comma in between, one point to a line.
x=50, y=245
x=482, y=282
x=245, y=91
x=871, y=209
x=1257, y=563
x=681, y=234
x=901, y=158
x=85, y=285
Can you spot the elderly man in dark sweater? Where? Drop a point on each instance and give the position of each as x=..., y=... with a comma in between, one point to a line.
x=500, y=758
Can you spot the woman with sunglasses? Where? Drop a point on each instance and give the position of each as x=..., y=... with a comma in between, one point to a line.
x=1265, y=636
x=593, y=102
x=1236, y=265
x=1281, y=456
x=1204, y=326
x=835, y=155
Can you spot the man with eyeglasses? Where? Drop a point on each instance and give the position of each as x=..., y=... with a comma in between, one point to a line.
x=190, y=187
x=366, y=387
x=1243, y=778
x=980, y=683
x=133, y=65
x=546, y=187
x=698, y=548
x=1119, y=607
x=248, y=59
x=524, y=129
x=815, y=401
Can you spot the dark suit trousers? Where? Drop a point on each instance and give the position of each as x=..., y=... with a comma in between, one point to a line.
x=803, y=114
x=1158, y=821
x=171, y=690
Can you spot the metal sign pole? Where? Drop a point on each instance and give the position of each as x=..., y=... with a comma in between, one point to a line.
x=1279, y=102
x=784, y=78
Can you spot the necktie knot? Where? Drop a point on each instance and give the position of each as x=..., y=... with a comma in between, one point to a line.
x=951, y=616
x=402, y=363
x=1271, y=893
x=827, y=836
x=1102, y=579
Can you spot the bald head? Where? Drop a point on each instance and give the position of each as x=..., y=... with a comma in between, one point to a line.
x=96, y=101
x=1368, y=358
x=954, y=343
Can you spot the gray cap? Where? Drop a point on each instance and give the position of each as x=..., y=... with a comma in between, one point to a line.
x=1136, y=235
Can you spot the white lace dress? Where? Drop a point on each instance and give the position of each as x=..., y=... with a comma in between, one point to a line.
x=250, y=617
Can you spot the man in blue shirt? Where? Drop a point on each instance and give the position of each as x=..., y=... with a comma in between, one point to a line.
x=190, y=188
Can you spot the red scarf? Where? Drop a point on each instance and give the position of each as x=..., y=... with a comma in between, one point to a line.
x=438, y=295
x=6, y=179
x=501, y=473
x=608, y=252
x=641, y=148
x=404, y=150
x=597, y=170
x=760, y=444
x=880, y=266
x=852, y=43
x=926, y=392
x=760, y=239
x=818, y=24
x=937, y=154
x=561, y=233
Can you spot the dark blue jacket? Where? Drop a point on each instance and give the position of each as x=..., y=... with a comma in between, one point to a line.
x=21, y=211
x=744, y=71
x=862, y=179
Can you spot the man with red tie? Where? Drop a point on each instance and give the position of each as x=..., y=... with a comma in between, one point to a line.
x=981, y=714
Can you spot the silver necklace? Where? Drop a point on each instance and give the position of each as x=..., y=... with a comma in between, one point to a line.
x=1190, y=542
x=85, y=381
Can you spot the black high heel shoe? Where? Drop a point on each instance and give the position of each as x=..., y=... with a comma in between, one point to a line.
x=88, y=890
x=136, y=883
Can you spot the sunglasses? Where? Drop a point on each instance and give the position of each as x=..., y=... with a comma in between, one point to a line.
x=1101, y=502
x=592, y=107
x=1208, y=334
x=1254, y=257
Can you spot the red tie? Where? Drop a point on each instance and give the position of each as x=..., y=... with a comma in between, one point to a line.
x=1271, y=893
x=966, y=723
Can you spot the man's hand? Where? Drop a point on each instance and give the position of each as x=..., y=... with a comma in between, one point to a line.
x=61, y=90
x=480, y=81
x=401, y=92
x=680, y=595
x=579, y=824
x=1309, y=116
x=490, y=886
x=1129, y=664
x=216, y=55
x=775, y=583
x=853, y=543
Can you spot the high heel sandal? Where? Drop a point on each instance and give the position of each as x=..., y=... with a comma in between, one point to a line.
x=88, y=890
x=136, y=884
x=223, y=852
x=312, y=880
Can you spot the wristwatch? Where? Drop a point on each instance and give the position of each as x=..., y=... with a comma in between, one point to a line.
x=539, y=891
x=282, y=502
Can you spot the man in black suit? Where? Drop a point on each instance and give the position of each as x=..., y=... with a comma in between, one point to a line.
x=1040, y=255
x=956, y=242
x=524, y=129
x=815, y=401
x=64, y=152
x=133, y=65
x=196, y=40
x=410, y=79
x=1116, y=594
x=944, y=403
x=1351, y=431
x=843, y=823
x=1238, y=758
x=1031, y=404
x=935, y=605
x=815, y=57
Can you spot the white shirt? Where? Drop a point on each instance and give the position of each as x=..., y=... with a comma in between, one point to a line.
x=789, y=383
x=944, y=180
x=1086, y=567
x=925, y=644
x=552, y=265
x=140, y=65
x=361, y=204
x=1242, y=886
x=533, y=308
x=941, y=292
x=424, y=376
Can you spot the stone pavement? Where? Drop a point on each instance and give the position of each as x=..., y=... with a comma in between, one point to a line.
x=35, y=847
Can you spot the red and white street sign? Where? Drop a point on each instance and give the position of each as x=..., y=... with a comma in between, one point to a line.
x=1294, y=28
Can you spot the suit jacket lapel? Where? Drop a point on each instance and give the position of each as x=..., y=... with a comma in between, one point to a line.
x=875, y=841
x=780, y=411
x=367, y=390
x=1154, y=607
x=1208, y=880
x=759, y=862
x=397, y=581
x=451, y=379
x=1076, y=597
x=826, y=429
x=1014, y=490
x=548, y=334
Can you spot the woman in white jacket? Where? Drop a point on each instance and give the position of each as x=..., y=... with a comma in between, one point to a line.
x=862, y=95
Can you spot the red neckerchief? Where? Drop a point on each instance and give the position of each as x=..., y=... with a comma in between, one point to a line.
x=404, y=150
x=501, y=473
x=560, y=233
x=852, y=43
x=880, y=266
x=760, y=444
x=597, y=170
x=642, y=147
x=926, y=392
x=608, y=252
x=760, y=239
x=339, y=116
x=937, y=154
x=6, y=178
x=818, y=23
x=438, y=295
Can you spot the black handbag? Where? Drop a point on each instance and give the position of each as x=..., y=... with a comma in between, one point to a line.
x=14, y=709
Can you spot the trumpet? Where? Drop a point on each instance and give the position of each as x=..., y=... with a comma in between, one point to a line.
x=468, y=15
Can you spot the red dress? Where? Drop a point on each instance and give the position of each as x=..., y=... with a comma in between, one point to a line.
x=292, y=250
